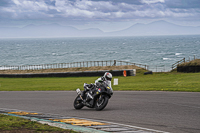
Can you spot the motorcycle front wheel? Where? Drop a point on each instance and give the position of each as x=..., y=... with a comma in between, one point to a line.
x=78, y=103
x=101, y=103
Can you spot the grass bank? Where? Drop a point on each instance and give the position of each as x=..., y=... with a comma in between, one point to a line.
x=20, y=125
x=156, y=82
x=195, y=62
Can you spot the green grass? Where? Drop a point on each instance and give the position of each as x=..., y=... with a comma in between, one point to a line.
x=161, y=82
x=156, y=82
x=43, y=84
x=16, y=124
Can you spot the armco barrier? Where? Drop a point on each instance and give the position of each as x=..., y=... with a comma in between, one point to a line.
x=129, y=72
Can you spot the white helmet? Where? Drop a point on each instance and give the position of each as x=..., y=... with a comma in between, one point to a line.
x=107, y=76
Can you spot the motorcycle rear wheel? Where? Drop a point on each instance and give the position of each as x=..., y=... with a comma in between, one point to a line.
x=78, y=103
x=101, y=103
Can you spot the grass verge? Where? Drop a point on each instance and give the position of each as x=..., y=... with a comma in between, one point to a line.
x=11, y=124
x=195, y=62
x=156, y=82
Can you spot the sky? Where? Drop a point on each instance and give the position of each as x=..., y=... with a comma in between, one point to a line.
x=107, y=15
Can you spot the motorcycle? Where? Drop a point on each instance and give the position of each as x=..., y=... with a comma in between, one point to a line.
x=97, y=97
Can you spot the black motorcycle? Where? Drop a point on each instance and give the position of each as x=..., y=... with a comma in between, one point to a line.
x=97, y=97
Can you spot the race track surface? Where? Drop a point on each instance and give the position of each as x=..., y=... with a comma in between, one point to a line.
x=177, y=112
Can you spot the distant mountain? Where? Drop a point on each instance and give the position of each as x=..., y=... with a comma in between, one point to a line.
x=157, y=28
x=51, y=30
x=56, y=30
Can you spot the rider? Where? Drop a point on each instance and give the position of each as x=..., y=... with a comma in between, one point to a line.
x=106, y=77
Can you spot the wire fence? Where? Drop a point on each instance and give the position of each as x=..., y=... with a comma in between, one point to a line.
x=168, y=68
x=160, y=68
x=154, y=68
x=72, y=65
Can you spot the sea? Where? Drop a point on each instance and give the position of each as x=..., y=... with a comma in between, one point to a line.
x=158, y=52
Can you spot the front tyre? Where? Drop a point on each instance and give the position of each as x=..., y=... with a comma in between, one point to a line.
x=101, y=103
x=78, y=103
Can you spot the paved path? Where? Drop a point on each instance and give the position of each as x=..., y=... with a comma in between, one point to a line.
x=177, y=112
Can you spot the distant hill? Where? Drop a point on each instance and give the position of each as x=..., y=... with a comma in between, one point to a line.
x=51, y=30
x=158, y=28
x=56, y=30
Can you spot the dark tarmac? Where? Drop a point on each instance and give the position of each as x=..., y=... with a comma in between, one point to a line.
x=177, y=112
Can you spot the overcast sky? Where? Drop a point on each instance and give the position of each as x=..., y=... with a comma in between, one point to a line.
x=107, y=15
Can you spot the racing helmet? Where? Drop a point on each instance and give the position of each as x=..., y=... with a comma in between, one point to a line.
x=108, y=76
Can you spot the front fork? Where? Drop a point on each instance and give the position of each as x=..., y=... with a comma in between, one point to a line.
x=78, y=91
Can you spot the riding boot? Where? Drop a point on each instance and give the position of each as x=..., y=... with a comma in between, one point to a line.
x=83, y=94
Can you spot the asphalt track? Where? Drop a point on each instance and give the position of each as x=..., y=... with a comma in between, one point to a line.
x=177, y=112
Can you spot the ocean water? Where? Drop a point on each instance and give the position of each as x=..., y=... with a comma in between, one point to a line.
x=154, y=51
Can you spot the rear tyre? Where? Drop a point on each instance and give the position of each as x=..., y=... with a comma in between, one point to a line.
x=101, y=103
x=78, y=103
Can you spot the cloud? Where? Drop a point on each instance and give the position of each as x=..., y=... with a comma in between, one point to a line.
x=152, y=1
x=183, y=4
x=103, y=10
x=135, y=2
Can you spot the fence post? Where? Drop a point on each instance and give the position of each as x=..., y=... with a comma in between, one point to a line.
x=156, y=68
x=114, y=63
